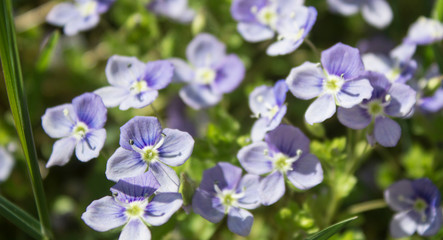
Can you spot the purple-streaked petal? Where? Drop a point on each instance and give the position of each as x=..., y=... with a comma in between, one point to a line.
x=135, y=188
x=403, y=99
x=230, y=73
x=104, y=214
x=240, y=221
x=343, y=61
x=140, y=100
x=254, y=32
x=90, y=146
x=112, y=96
x=387, y=132
x=158, y=74
x=241, y=9
x=400, y=195
x=124, y=163
x=321, y=109
x=182, y=71
x=61, y=14
x=205, y=205
x=280, y=89
x=224, y=174
x=272, y=188
x=378, y=13
x=122, y=71
x=425, y=189
x=288, y=140
x=161, y=208
x=354, y=117
x=56, y=124
x=62, y=152
x=166, y=176
x=205, y=50
x=434, y=225
x=353, y=92
x=307, y=172
x=249, y=184
x=198, y=96
x=6, y=164
x=253, y=158
x=142, y=131
x=306, y=81
x=345, y=7
x=90, y=109
x=135, y=229
x=80, y=23
x=177, y=147
x=402, y=225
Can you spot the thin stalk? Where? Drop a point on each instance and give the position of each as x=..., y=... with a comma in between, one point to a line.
x=19, y=107
x=367, y=206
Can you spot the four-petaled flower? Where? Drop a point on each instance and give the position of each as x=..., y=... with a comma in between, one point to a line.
x=424, y=31
x=177, y=10
x=212, y=73
x=285, y=151
x=80, y=125
x=131, y=207
x=144, y=144
x=134, y=84
x=267, y=104
x=340, y=82
x=418, y=205
x=222, y=191
x=79, y=16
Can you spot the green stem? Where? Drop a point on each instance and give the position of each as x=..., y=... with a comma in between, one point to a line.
x=19, y=107
x=367, y=206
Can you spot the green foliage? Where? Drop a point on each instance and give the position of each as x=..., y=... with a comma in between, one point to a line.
x=47, y=52
x=330, y=231
x=418, y=163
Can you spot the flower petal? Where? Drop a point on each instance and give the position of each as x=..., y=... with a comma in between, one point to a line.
x=240, y=221
x=434, y=225
x=400, y=195
x=241, y=9
x=321, y=109
x=387, y=132
x=261, y=98
x=6, y=164
x=403, y=99
x=272, y=188
x=198, y=96
x=230, y=73
x=112, y=96
x=402, y=225
x=158, y=74
x=140, y=100
x=307, y=172
x=166, y=176
x=161, y=208
x=342, y=60
x=259, y=129
x=61, y=14
x=62, y=151
x=253, y=158
x=250, y=185
x=345, y=7
x=122, y=71
x=287, y=140
x=80, y=23
x=283, y=47
x=354, y=117
x=90, y=146
x=135, y=188
x=182, y=71
x=56, y=124
x=254, y=32
x=377, y=62
x=280, y=89
x=224, y=174
x=353, y=92
x=306, y=81
x=104, y=214
x=205, y=50
x=135, y=229
x=433, y=103
x=90, y=109
x=124, y=163
x=177, y=147
x=378, y=13
x=142, y=131
x=203, y=205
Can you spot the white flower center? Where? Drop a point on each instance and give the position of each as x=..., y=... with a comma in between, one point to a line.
x=88, y=8
x=205, y=75
x=376, y=107
x=138, y=87
x=266, y=15
x=136, y=209
x=272, y=111
x=149, y=154
x=333, y=84
x=229, y=198
x=292, y=36
x=80, y=129
x=393, y=74
x=283, y=163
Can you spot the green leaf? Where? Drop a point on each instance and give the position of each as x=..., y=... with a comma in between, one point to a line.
x=47, y=52
x=20, y=218
x=331, y=230
x=19, y=107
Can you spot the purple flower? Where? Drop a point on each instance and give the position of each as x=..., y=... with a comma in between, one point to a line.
x=432, y=83
x=223, y=191
x=285, y=151
x=177, y=10
x=211, y=72
x=425, y=31
x=79, y=125
x=131, y=207
x=388, y=100
x=134, y=84
x=377, y=13
x=260, y=19
x=6, y=164
x=79, y=16
x=339, y=82
x=144, y=144
x=179, y=119
x=418, y=205
x=267, y=104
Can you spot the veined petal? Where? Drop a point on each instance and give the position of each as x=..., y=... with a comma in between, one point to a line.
x=182, y=71
x=6, y=164
x=166, y=176
x=402, y=225
x=240, y=221
x=161, y=208
x=142, y=131
x=135, y=188
x=158, y=74
x=354, y=117
x=307, y=172
x=378, y=13
x=321, y=109
x=90, y=146
x=56, y=124
x=225, y=175
x=377, y=62
x=230, y=73
x=202, y=204
x=104, y=214
x=306, y=81
x=122, y=71
x=140, y=100
x=135, y=229
x=254, y=32
x=250, y=185
x=272, y=188
x=280, y=89
x=198, y=96
x=342, y=60
x=62, y=151
x=177, y=147
x=353, y=92
x=387, y=132
x=434, y=225
x=403, y=99
x=124, y=163
x=112, y=96
x=90, y=109
x=205, y=50
x=288, y=140
x=400, y=195
x=253, y=158
x=61, y=14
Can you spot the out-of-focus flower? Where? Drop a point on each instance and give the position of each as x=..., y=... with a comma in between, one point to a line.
x=6, y=164
x=131, y=207
x=267, y=104
x=425, y=31
x=338, y=83
x=134, y=84
x=79, y=16
x=211, y=72
x=430, y=90
x=177, y=10
x=80, y=127
x=418, y=205
x=388, y=100
x=259, y=20
x=144, y=144
x=285, y=151
x=179, y=119
x=223, y=191
x=378, y=13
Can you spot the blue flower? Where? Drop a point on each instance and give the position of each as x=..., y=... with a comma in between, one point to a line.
x=267, y=104
x=131, y=206
x=79, y=125
x=425, y=31
x=175, y=9
x=378, y=13
x=223, y=191
x=285, y=151
x=418, y=205
x=339, y=82
x=388, y=100
x=144, y=144
x=260, y=19
x=6, y=164
x=212, y=73
x=134, y=84
x=79, y=16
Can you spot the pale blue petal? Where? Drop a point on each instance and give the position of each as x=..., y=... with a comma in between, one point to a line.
x=253, y=158
x=90, y=110
x=306, y=81
x=342, y=60
x=354, y=117
x=224, y=174
x=6, y=164
x=272, y=188
x=135, y=229
x=254, y=32
x=402, y=225
x=260, y=99
x=136, y=188
x=283, y=47
x=400, y=195
x=80, y=23
x=229, y=74
x=177, y=147
x=321, y=109
x=353, y=92
x=90, y=146
x=207, y=206
x=104, y=214
x=61, y=14
x=249, y=184
x=62, y=151
x=377, y=62
x=433, y=103
x=241, y=9
x=166, y=176
x=378, y=13
x=161, y=208
x=280, y=89
x=158, y=74
x=56, y=124
x=259, y=129
x=142, y=131
x=387, y=132
x=140, y=100
x=345, y=7
x=182, y=71
x=198, y=96
x=307, y=172
x=287, y=139
x=240, y=221
x=434, y=225
x=205, y=50
x=403, y=99
x=122, y=71
x=124, y=163
x=112, y=96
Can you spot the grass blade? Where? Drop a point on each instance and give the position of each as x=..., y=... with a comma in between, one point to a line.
x=47, y=52
x=330, y=231
x=19, y=107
